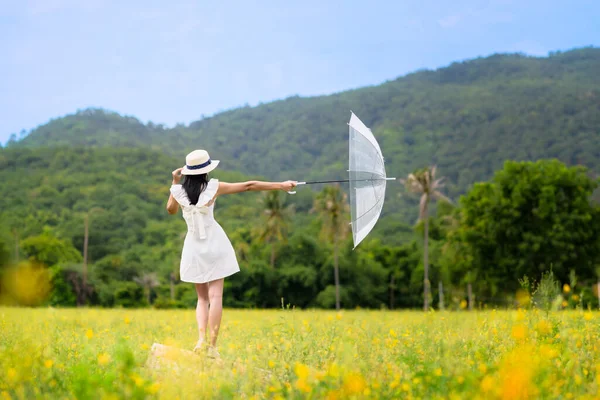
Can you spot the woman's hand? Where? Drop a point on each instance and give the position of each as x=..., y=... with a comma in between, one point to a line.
x=176, y=176
x=288, y=186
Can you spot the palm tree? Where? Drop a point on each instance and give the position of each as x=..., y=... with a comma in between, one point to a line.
x=275, y=226
x=148, y=281
x=424, y=183
x=86, y=219
x=333, y=208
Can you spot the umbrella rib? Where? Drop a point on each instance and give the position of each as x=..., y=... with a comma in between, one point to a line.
x=374, y=205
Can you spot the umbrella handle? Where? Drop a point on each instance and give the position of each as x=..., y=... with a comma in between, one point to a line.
x=297, y=184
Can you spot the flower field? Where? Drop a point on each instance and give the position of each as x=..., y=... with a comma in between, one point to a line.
x=90, y=353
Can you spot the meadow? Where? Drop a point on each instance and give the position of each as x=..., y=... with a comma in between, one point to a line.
x=287, y=353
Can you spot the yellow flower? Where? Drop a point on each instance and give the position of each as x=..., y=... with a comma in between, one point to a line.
x=333, y=395
x=48, y=363
x=566, y=288
x=354, y=384
x=543, y=327
x=463, y=304
x=103, y=359
x=405, y=387
x=487, y=384
x=271, y=364
x=460, y=379
x=519, y=332
x=303, y=386
x=11, y=374
x=564, y=303
x=301, y=371
x=144, y=346
x=333, y=371
x=588, y=316
x=127, y=320
x=338, y=316
x=482, y=368
x=438, y=372
x=153, y=389
x=89, y=334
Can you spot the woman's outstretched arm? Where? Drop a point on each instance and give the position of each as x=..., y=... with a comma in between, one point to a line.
x=254, y=186
x=172, y=205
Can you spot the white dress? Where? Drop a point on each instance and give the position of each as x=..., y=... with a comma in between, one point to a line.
x=207, y=252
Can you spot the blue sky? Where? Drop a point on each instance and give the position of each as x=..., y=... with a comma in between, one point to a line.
x=173, y=61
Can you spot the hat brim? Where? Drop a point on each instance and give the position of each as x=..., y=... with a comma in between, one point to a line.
x=205, y=170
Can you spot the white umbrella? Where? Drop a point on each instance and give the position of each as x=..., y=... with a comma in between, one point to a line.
x=367, y=179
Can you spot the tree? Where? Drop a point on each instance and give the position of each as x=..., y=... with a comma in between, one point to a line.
x=49, y=250
x=86, y=219
x=275, y=226
x=424, y=183
x=333, y=209
x=148, y=281
x=533, y=217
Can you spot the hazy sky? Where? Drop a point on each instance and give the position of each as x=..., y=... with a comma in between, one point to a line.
x=172, y=61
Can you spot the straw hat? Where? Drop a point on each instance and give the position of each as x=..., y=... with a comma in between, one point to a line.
x=198, y=162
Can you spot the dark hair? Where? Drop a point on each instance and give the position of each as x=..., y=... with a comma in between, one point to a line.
x=194, y=185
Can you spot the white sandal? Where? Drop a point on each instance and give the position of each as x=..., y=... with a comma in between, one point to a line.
x=199, y=346
x=213, y=352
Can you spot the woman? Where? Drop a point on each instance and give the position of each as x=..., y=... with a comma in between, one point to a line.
x=208, y=256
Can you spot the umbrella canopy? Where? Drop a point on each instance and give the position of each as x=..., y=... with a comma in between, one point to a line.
x=367, y=179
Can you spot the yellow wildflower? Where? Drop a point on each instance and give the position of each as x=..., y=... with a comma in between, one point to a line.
x=89, y=334
x=303, y=386
x=301, y=371
x=487, y=384
x=11, y=374
x=153, y=389
x=566, y=288
x=543, y=327
x=354, y=384
x=519, y=332
x=103, y=359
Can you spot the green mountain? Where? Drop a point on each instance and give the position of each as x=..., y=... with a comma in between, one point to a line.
x=467, y=118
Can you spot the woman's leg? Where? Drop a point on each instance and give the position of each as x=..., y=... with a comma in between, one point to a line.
x=202, y=310
x=215, y=294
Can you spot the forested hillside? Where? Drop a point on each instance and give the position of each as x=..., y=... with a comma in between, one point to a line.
x=468, y=118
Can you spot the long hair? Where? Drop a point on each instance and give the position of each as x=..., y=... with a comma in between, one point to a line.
x=194, y=185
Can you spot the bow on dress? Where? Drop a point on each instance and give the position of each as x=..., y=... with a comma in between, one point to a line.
x=200, y=212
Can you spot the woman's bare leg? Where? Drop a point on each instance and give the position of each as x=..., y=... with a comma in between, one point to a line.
x=215, y=295
x=202, y=310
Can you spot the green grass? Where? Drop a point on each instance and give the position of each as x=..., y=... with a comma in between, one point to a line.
x=90, y=353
